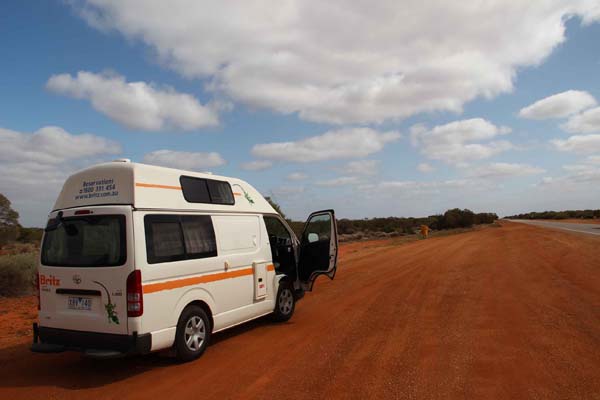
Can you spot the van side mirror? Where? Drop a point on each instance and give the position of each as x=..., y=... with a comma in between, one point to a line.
x=313, y=237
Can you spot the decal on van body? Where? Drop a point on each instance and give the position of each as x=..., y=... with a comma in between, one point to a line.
x=109, y=307
x=105, y=187
x=246, y=195
x=50, y=280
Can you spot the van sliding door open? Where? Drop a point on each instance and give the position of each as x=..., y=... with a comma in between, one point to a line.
x=318, y=248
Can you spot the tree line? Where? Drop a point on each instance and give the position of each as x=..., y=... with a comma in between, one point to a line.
x=451, y=219
x=568, y=214
x=11, y=230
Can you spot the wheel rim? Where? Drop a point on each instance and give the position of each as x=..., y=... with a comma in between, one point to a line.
x=195, y=332
x=286, y=301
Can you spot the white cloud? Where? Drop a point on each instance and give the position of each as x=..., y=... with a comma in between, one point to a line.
x=559, y=105
x=347, y=62
x=184, y=159
x=585, y=122
x=453, y=143
x=577, y=174
x=417, y=188
x=593, y=159
x=297, y=176
x=52, y=145
x=581, y=144
x=360, y=167
x=35, y=166
x=336, y=144
x=137, y=105
x=425, y=168
x=341, y=181
x=288, y=191
x=257, y=165
x=504, y=170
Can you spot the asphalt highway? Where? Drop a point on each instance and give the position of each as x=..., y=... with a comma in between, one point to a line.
x=591, y=229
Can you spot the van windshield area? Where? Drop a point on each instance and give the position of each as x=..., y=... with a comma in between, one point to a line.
x=90, y=241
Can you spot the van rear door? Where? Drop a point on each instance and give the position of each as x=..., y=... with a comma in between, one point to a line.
x=86, y=257
x=318, y=248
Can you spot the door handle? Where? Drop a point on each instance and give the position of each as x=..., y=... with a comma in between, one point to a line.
x=226, y=265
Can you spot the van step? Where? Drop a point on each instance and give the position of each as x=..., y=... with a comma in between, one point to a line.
x=102, y=354
x=47, y=348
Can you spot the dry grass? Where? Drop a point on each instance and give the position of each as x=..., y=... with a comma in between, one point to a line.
x=18, y=248
x=17, y=273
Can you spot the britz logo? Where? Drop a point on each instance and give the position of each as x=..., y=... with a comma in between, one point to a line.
x=49, y=280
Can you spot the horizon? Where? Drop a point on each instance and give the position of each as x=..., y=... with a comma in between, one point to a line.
x=414, y=118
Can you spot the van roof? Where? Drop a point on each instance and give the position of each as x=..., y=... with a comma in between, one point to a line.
x=149, y=187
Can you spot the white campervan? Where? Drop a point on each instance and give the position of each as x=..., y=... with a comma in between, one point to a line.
x=138, y=258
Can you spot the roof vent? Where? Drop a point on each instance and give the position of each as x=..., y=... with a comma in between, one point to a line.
x=126, y=160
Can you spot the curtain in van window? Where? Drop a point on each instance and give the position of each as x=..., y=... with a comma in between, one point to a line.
x=220, y=192
x=199, y=234
x=166, y=239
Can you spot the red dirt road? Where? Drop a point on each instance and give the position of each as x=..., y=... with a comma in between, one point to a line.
x=500, y=313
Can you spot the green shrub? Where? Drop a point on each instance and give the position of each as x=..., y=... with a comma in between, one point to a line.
x=582, y=214
x=30, y=235
x=17, y=274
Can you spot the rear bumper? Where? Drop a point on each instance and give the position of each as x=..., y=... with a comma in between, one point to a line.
x=52, y=340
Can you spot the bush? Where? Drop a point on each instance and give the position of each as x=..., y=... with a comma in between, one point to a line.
x=30, y=235
x=399, y=226
x=17, y=274
x=8, y=234
x=582, y=214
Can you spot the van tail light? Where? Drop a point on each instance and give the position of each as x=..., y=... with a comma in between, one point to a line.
x=37, y=289
x=135, y=296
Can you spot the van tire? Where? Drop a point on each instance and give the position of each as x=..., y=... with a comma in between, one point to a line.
x=193, y=333
x=285, y=303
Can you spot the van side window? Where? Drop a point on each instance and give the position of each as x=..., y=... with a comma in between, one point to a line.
x=175, y=237
x=220, y=192
x=199, y=236
x=198, y=190
x=194, y=190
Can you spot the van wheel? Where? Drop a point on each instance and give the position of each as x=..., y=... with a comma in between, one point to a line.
x=193, y=333
x=285, y=304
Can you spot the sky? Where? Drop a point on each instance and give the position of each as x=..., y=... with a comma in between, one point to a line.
x=374, y=109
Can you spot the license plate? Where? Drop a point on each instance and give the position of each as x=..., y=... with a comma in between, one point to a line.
x=80, y=303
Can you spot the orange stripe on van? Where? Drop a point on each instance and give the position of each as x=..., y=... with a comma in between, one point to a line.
x=157, y=287
x=178, y=283
x=237, y=194
x=152, y=185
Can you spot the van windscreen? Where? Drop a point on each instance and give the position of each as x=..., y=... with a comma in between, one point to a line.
x=90, y=241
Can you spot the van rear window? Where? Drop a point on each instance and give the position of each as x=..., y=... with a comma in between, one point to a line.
x=179, y=237
x=90, y=241
x=198, y=190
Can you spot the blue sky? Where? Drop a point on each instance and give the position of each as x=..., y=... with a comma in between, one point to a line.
x=379, y=119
